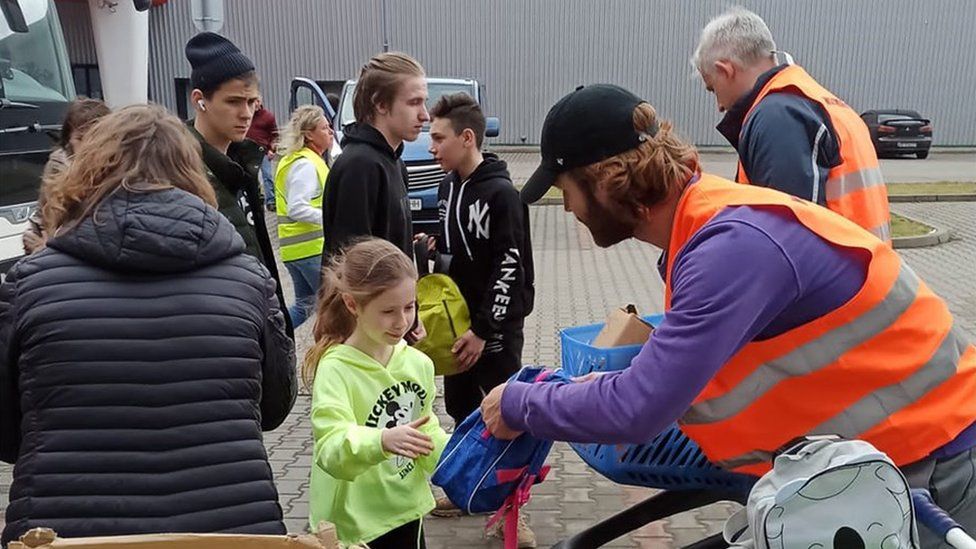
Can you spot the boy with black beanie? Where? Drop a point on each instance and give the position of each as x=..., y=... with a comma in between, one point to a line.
x=225, y=95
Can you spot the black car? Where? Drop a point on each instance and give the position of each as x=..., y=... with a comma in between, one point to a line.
x=897, y=131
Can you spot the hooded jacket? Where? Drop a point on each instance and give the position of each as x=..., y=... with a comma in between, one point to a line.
x=363, y=490
x=141, y=355
x=485, y=229
x=366, y=193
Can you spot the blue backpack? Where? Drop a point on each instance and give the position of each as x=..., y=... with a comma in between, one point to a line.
x=482, y=474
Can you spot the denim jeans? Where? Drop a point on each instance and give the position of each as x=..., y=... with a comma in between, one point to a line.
x=267, y=180
x=306, y=274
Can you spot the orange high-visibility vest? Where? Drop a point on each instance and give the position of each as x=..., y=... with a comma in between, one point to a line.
x=888, y=367
x=855, y=188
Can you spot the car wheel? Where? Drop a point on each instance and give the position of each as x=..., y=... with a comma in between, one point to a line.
x=922, y=155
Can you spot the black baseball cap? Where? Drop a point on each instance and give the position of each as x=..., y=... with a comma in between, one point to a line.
x=590, y=124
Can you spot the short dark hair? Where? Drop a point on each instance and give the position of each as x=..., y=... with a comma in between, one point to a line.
x=82, y=113
x=463, y=112
x=333, y=99
x=249, y=77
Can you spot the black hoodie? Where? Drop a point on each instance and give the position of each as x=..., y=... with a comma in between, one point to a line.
x=366, y=193
x=485, y=228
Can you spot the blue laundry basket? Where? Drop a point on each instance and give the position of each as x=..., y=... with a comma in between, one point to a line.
x=671, y=461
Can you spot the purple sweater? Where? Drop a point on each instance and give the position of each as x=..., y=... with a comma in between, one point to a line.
x=748, y=274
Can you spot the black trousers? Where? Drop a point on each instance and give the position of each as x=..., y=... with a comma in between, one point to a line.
x=408, y=536
x=501, y=358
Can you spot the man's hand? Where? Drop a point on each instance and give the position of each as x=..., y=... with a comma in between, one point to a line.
x=431, y=240
x=467, y=350
x=407, y=440
x=491, y=412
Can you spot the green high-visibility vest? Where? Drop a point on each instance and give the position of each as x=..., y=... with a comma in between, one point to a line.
x=299, y=239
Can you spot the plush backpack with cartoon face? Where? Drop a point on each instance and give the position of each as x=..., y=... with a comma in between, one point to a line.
x=827, y=494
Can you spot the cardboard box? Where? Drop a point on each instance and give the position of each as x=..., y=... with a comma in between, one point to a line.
x=623, y=327
x=45, y=538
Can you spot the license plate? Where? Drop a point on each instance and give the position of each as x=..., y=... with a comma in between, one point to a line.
x=416, y=205
x=908, y=145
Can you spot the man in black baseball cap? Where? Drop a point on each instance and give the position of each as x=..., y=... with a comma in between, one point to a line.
x=591, y=124
x=768, y=298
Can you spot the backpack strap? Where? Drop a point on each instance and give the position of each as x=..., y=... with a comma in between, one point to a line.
x=421, y=252
x=514, y=502
x=424, y=257
x=736, y=531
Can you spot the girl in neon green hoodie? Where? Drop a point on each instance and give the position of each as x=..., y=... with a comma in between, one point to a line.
x=377, y=439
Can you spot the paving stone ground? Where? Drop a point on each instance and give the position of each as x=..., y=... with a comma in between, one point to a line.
x=577, y=284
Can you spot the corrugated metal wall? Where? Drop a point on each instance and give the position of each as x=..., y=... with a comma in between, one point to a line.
x=528, y=53
x=76, y=24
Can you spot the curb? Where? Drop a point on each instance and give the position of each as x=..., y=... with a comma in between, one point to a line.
x=932, y=198
x=937, y=236
x=934, y=238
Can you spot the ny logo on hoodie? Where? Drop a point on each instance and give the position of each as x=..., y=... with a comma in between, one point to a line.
x=478, y=219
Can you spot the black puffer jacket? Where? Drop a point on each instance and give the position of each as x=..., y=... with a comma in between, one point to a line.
x=141, y=355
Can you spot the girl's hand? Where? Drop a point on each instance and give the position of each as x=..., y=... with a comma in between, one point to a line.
x=407, y=440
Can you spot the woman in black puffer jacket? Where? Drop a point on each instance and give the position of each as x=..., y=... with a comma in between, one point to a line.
x=142, y=352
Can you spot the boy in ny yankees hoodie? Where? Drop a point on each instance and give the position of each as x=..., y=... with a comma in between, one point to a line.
x=484, y=228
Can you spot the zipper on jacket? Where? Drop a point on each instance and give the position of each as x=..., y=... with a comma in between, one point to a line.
x=450, y=320
x=447, y=217
x=460, y=200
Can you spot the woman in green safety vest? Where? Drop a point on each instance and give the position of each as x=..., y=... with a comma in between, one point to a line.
x=299, y=184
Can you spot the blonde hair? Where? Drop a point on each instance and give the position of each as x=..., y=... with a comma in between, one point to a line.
x=646, y=175
x=304, y=119
x=141, y=148
x=363, y=270
x=379, y=82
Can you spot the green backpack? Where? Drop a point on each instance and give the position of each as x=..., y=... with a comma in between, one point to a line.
x=442, y=309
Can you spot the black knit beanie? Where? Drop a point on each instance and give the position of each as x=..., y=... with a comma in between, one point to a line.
x=215, y=60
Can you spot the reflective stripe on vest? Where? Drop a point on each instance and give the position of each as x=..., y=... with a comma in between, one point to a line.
x=888, y=366
x=855, y=188
x=298, y=239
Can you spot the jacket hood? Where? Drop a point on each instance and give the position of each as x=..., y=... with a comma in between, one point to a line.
x=165, y=231
x=365, y=133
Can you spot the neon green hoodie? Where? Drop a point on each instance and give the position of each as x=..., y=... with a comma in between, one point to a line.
x=363, y=490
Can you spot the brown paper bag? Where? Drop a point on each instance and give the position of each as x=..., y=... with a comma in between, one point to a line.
x=623, y=327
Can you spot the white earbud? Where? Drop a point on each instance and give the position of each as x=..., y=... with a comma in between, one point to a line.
x=202, y=106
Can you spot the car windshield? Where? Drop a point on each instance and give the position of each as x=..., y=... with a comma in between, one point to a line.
x=33, y=64
x=434, y=92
